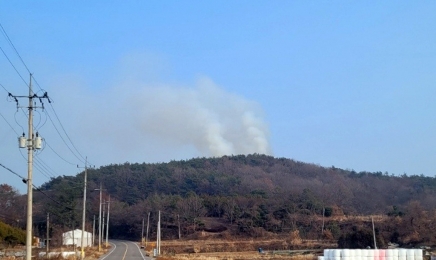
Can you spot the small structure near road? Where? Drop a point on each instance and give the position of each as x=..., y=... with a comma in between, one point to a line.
x=74, y=237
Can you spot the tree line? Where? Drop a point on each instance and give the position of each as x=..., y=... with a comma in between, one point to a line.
x=245, y=195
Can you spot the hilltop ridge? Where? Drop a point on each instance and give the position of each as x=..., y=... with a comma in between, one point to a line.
x=249, y=195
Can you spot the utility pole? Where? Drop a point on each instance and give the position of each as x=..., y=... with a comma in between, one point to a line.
x=323, y=214
x=93, y=230
x=102, y=223
x=82, y=246
x=142, y=233
x=107, y=220
x=99, y=223
x=178, y=222
x=158, y=236
x=373, y=233
x=30, y=148
x=48, y=236
x=148, y=224
x=32, y=143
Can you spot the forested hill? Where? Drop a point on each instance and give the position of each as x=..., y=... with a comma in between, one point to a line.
x=276, y=180
x=245, y=192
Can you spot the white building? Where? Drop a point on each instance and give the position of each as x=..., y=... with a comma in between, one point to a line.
x=75, y=237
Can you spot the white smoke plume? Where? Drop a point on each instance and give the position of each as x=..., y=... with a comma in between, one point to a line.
x=214, y=121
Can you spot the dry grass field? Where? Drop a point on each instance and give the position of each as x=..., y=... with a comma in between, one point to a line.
x=91, y=253
x=251, y=255
x=217, y=249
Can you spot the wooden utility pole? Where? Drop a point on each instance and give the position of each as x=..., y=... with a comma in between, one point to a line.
x=32, y=142
x=82, y=245
x=29, y=235
x=102, y=223
x=93, y=231
x=178, y=222
x=107, y=220
x=148, y=225
x=373, y=233
x=48, y=236
x=99, y=223
x=323, y=214
x=158, y=236
x=142, y=233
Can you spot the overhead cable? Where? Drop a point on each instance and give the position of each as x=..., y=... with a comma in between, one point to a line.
x=13, y=46
x=13, y=66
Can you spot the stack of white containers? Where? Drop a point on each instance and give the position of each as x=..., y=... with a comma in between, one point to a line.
x=372, y=254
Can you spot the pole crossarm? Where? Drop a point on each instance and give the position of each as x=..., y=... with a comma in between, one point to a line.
x=31, y=96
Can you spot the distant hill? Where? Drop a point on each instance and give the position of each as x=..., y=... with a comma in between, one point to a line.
x=251, y=193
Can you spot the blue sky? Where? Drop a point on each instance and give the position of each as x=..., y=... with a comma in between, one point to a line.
x=342, y=83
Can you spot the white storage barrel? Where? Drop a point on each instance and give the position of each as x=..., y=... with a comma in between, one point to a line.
x=402, y=254
x=419, y=254
x=327, y=254
x=331, y=254
x=396, y=254
x=346, y=252
x=410, y=254
x=357, y=254
x=336, y=254
x=376, y=252
x=382, y=254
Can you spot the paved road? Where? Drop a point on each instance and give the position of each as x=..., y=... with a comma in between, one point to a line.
x=124, y=250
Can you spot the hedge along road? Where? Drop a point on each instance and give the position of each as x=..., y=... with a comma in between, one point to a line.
x=124, y=250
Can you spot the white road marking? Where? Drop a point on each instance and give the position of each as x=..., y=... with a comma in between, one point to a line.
x=143, y=257
x=115, y=246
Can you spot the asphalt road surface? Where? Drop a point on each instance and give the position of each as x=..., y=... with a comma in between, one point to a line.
x=124, y=250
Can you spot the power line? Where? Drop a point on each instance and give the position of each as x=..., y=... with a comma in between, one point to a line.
x=39, y=190
x=22, y=178
x=4, y=88
x=36, y=188
x=66, y=133
x=13, y=46
x=57, y=153
x=37, y=166
x=69, y=148
x=46, y=168
x=40, y=164
x=13, y=66
x=42, y=167
x=77, y=154
x=45, y=141
x=8, y=123
x=54, y=111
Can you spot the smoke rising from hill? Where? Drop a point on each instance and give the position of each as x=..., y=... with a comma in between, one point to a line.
x=214, y=121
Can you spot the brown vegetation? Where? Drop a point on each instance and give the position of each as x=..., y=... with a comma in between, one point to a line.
x=237, y=249
x=238, y=198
